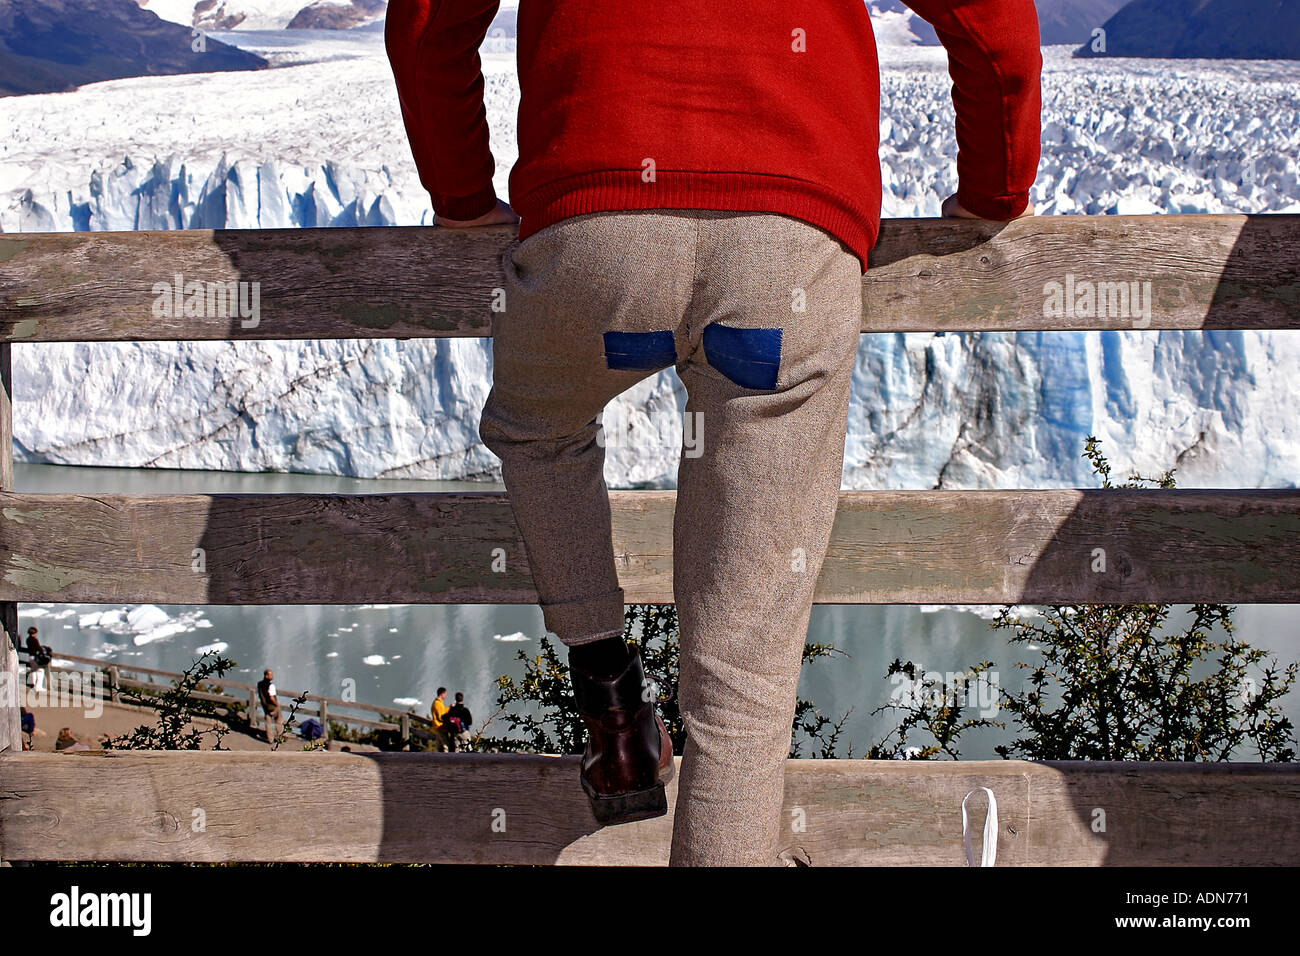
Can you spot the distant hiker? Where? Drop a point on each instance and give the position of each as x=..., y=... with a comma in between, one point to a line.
x=697, y=191
x=28, y=723
x=459, y=720
x=42, y=653
x=270, y=704
x=38, y=658
x=440, y=727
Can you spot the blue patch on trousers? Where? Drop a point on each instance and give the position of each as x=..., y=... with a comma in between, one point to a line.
x=749, y=357
x=640, y=350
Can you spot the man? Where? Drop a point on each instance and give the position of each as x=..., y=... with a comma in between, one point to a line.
x=459, y=720
x=270, y=704
x=440, y=729
x=698, y=189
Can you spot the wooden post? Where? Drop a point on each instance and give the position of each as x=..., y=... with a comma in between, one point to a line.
x=325, y=718
x=11, y=734
x=10, y=688
x=406, y=731
x=113, y=691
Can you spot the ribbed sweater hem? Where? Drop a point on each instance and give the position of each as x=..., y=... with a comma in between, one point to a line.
x=624, y=189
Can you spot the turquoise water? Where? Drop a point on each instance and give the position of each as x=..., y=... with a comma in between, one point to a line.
x=401, y=654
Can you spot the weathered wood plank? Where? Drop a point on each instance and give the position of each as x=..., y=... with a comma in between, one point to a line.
x=10, y=727
x=1179, y=814
x=903, y=547
x=1213, y=272
x=10, y=696
x=926, y=274
x=6, y=418
x=482, y=808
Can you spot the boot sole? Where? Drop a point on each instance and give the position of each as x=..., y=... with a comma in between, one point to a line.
x=629, y=807
x=611, y=810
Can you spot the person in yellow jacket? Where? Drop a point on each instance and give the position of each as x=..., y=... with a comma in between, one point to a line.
x=440, y=708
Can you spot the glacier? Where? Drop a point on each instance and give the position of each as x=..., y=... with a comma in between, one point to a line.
x=325, y=147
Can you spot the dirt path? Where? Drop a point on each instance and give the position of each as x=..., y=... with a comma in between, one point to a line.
x=116, y=719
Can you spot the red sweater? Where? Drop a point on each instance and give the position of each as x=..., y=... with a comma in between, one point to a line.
x=760, y=105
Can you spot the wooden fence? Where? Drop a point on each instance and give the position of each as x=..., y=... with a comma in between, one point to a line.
x=972, y=547
x=109, y=680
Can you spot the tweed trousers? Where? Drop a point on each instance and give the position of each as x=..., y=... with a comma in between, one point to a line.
x=760, y=316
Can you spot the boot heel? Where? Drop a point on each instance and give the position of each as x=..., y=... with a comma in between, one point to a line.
x=628, y=807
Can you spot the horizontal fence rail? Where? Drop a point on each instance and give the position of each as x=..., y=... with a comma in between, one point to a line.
x=1159, y=272
x=887, y=547
x=486, y=808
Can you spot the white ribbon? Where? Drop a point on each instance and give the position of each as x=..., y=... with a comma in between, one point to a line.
x=989, y=849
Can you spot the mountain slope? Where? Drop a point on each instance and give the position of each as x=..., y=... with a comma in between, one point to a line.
x=51, y=46
x=269, y=14
x=1059, y=21
x=1230, y=29
x=1072, y=21
x=332, y=15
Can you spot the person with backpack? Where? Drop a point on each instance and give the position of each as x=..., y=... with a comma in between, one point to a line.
x=459, y=720
x=39, y=657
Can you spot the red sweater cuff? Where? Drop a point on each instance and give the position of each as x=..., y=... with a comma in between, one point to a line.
x=1000, y=208
x=462, y=208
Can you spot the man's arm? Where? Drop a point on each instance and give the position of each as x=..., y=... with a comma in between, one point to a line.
x=996, y=64
x=433, y=50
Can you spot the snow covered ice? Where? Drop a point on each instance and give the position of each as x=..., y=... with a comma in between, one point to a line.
x=145, y=623
x=319, y=141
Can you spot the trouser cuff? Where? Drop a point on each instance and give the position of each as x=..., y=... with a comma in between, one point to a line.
x=586, y=620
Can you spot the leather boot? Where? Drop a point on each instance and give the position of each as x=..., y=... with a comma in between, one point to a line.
x=629, y=755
